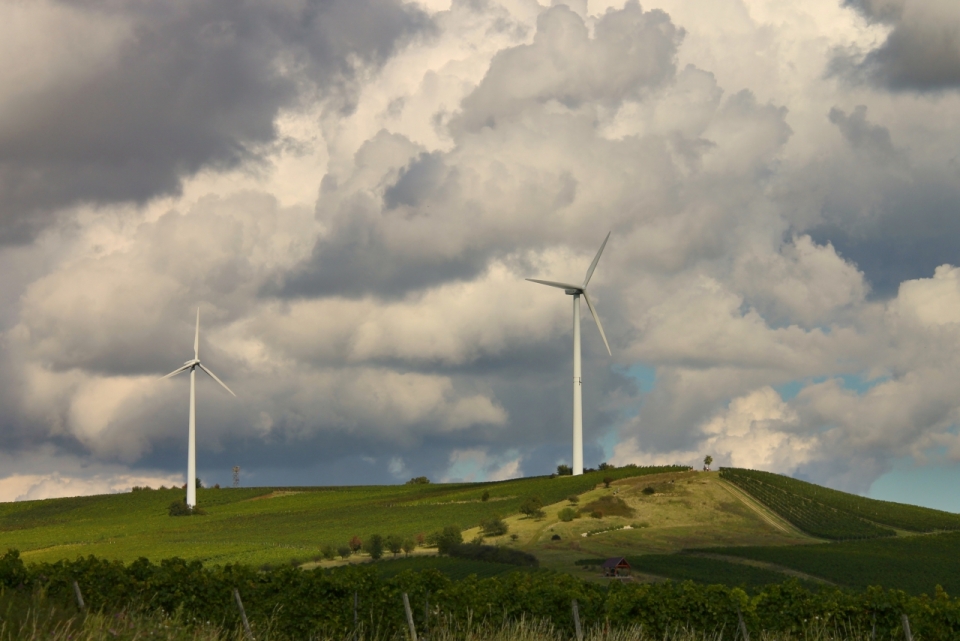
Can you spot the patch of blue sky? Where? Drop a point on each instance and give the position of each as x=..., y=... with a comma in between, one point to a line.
x=853, y=382
x=645, y=376
x=929, y=486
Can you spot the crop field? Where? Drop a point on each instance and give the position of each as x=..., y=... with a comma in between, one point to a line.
x=709, y=571
x=915, y=564
x=256, y=526
x=831, y=514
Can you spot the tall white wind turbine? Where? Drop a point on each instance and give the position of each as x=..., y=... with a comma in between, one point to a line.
x=192, y=365
x=577, y=291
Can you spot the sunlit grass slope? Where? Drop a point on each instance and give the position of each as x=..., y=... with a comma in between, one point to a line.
x=265, y=525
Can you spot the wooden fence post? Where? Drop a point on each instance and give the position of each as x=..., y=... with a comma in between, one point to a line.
x=76, y=591
x=426, y=616
x=406, y=608
x=743, y=625
x=243, y=615
x=576, y=620
x=906, y=627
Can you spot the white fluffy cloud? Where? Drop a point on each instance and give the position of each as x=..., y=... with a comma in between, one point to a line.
x=357, y=242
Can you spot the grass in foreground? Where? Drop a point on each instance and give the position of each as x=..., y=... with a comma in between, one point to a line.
x=42, y=621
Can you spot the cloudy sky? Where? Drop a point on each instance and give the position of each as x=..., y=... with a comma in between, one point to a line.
x=353, y=191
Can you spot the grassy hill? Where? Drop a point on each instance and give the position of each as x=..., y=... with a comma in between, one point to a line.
x=671, y=523
x=265, y=525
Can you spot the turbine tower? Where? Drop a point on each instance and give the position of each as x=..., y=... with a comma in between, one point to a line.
x=192, y=365
x=577, y=291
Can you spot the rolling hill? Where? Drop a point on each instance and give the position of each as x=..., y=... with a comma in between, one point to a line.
x=737, y=527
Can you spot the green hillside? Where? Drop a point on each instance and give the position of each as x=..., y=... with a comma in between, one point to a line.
x=915, y=564
x=266, y=525
x=831, y=514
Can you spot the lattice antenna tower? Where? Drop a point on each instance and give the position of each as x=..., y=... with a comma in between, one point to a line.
x=236, y=476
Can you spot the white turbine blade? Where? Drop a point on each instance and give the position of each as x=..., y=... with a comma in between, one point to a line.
x=593, y=313
x=196, y=338
x=596, y=259
x=214, y=376
x=176, y=371
x=551, y=283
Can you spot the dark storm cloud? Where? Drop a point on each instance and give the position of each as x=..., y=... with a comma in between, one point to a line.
x=894, y=220
x=921, y=53
x=195, y=84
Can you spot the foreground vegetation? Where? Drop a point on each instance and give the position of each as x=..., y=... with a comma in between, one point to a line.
x=40, y=620
x=295, y=604
x=831, y=514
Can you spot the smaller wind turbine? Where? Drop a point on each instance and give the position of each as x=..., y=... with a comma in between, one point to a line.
x=192, y=444
x=577, y=291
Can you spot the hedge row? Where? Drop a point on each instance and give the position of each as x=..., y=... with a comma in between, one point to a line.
x=301, y=603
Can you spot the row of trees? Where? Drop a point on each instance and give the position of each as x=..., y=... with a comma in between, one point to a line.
x=376, y=545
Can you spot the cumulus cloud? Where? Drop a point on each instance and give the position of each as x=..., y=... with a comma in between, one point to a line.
x=921, y=52
x=353, y=194
x=164, y=91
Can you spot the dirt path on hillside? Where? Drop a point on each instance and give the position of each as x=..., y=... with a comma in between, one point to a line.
x=767, y=515
x=761, y=564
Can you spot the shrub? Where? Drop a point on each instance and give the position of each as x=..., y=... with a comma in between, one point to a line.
x=421, y=539
x=374, y=546
x=295, y=562
x=355, y=544
x=327, y=552
x=555, y=537
x=532, y=506
x=344, y=551
x=567, y=514
x=564, y=470
x=418, y=480
x=485, y=496
x=494, y=554
x=573, y=498
x=394, y=543
x=447, y=538
x=514, y=536
x=607, y=480
x=597, y=514
x=648, y=490
x=409, y=545
x=606, y=466
x=493, y=527
x=180, y=508
x=610, y=506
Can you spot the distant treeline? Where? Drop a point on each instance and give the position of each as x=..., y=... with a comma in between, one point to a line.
x=299, y=604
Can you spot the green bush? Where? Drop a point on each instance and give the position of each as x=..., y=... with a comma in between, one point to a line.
x=344, y=551
x=494, y=527
x=493, y=554
x=180, y=508
x=610, y=506
x=447, y=538
x=418, y=480
x=374, y=546
x=328, y=552
x=394, y=543
x=532, y=506
x=567, y=514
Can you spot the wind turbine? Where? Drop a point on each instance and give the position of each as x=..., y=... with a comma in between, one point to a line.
x=192, y=365
x=577, y=291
